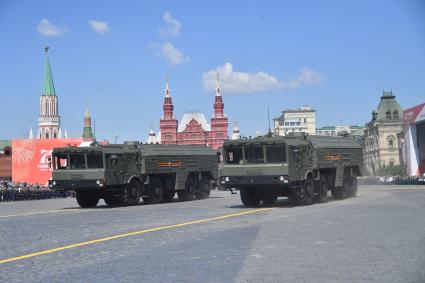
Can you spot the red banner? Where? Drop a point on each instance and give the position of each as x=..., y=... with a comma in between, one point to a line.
x=414, y=114
x=30, y=158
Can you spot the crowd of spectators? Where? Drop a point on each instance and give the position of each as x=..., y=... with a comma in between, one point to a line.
x=376, y=180
x=13, y=191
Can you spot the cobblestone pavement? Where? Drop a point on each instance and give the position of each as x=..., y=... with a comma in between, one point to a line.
x=378, y=236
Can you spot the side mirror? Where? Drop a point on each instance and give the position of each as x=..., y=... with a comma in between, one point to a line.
x=49, y=162
x=218, y=156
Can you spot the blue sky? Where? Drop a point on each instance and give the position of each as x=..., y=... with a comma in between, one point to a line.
x=336, y=56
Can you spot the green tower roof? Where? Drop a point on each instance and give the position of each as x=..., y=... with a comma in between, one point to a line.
x=48, y=86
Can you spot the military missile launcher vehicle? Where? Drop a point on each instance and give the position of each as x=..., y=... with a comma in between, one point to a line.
x=303, y=168
x=122, y=173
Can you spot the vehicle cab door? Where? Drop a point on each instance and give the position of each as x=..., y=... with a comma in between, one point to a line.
x=132, y=165
x=115, y=170
x=295, y=163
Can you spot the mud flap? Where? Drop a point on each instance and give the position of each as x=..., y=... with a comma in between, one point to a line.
x=181, y=177
x=339, y=178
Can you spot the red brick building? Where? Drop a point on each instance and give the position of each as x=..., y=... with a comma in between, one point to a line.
x=193, y=128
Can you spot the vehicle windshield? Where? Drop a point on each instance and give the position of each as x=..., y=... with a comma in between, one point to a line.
x=64, y=161
x=254, y=154
x=94, y=160
x=234, y=155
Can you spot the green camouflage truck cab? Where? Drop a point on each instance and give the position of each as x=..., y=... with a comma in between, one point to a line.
x=302, y=168
x=122, y=173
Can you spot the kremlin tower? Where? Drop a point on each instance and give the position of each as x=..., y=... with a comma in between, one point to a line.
x=87, y=132
x=49, y=119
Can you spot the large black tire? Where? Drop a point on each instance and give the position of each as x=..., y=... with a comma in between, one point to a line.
x=250, y=197
x=203, y=189
x=323, y=188
x=189, y=191
x=344, y=191
x=269, y=197
x=154, y=192
x=112, y=200
x=353, y=187
x=130, y=194
x=304, y=194
x=85, y=199
x=168, y=196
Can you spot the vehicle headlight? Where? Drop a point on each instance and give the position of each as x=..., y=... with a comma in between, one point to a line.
x=282, y=178
x=54, y=183
x=98, y=182
x=227, y=179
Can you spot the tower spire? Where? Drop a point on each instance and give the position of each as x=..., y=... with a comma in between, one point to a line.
x=48, y=86
x=218, y=89
x=167, y=87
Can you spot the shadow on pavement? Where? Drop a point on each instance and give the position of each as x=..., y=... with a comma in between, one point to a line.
x=280, y=203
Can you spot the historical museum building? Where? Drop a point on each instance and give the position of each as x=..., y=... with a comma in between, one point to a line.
x=380, y=138
x=296, y=120
x=193, y=129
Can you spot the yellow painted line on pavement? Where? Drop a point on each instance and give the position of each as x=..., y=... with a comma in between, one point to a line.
x=36, y=213
x=105, y=239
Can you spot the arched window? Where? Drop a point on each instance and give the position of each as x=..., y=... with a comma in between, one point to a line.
x=388, y=114
x=392, y=161
x=395, y=114
x=391, y=141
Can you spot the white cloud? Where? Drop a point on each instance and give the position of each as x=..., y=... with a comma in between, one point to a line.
x=172, y=26
x=306, y=77
x=99, y=26
x=170, y=53
x=233, y=82
x=46, y=28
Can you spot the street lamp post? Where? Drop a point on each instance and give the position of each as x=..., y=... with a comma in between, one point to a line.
x=115, y=138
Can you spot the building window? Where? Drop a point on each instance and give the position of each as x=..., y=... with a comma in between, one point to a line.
x=391, y=141
x=395, y=114
x=391, y=161
x=388, y=114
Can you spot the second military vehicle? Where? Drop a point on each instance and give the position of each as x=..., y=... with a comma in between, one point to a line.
x=302, y=168
x=121, y=174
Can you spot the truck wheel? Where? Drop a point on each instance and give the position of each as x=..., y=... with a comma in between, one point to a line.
x=323, y=188
x=203, y=189
x=112, y=200
x=249, y=197
x=85, y=199
x=189, y=191
x=168, y=196
x=269, y=198
x=155, y=192
x=304, y=194
x=353, y=189
x=344, y=191
x=130, y=195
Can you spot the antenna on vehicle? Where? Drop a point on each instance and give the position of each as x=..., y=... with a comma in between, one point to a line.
x=269, y=134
